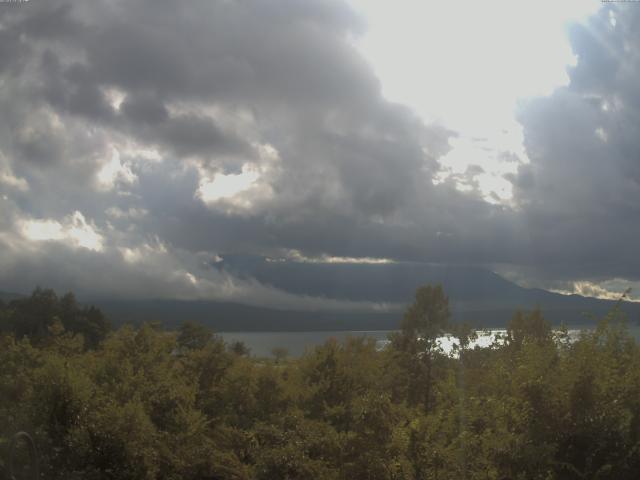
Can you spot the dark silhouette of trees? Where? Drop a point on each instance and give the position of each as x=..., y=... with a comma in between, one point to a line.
x=34, y=317
x=192, y=336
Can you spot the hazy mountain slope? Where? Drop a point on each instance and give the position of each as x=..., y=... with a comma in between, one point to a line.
x=236, y=317
x=477, y=296
x=8, y=296
x=469, y=288
x=394, y=282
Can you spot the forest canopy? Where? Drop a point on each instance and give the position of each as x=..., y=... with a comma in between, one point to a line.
x=145, y=403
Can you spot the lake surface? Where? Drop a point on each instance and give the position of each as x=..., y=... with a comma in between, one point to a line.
x=262, y=343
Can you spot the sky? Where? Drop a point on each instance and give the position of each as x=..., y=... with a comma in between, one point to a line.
x=140, y=143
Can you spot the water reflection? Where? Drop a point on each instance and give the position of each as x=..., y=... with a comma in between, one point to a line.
x=262, y=344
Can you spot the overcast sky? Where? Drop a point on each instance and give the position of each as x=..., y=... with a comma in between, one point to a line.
x=141, y=140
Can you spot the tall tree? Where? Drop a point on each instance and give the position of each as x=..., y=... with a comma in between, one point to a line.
x=193, y=335
x=424, y=321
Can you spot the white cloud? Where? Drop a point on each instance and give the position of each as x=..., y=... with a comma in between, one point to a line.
x=473, y=165
x=43, y=230
x=236, y=192
x=612, y=289
x=9, y=179
x=115, y=171
x=130, y=213
x=297, y=256
x=150, y=252
x=227, y=186
x=12, y=181
x=73, y=230
x=115, y=97
x=476, y=61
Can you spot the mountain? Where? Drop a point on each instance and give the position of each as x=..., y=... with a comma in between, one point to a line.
x=477, y=296
x=8, y=296
x=234, y=317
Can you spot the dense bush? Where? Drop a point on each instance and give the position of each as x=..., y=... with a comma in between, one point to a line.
x=143, y=403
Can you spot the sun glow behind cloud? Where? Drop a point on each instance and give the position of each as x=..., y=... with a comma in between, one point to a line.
x=297, y=256
x=74, y=229
x=113, y=171
x=612, y=289
x=227, y=186
x=478, y=60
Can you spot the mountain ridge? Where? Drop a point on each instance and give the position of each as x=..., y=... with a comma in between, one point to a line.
x=477, y=296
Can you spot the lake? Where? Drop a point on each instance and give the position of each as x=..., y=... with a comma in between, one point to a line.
x=262, y=343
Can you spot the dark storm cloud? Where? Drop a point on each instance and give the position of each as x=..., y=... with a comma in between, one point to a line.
x=10, y=44
x=73, y=89
x=285, y=69
x=310, y=94
x=145, y=109
x=191, y=134
x=51, y=21
x=130, y=107
x=581, y=193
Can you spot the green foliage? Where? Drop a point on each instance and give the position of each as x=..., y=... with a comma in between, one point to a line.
x=280, y=354
x=35, y=316
x=416, y=344
x=427, y=318
x=150, y=404
x=525, y=328
x=239, y=348
x=193, y=336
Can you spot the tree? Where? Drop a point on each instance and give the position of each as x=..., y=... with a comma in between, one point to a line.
x=424, y=321
x=31, y=317
x=280, y=354
x=34, y=316
x=4, y=318
x=239, y=348
x=530, y=327
x=428, y=316
x=193, y=336
x=532, y=407
x=93, y=325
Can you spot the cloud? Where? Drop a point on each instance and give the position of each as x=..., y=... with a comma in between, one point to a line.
x=73, y=256
x=613, y=289
x=257, y=127
x=579, y=196
x=145, y=121
x=74, y=230
x=296, y=256
x=9, y=180
x=114, y=171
